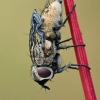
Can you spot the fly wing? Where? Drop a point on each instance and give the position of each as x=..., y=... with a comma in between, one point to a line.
x=36, y=36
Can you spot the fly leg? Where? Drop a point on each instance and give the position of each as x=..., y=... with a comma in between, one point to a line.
x=45, y=87
x=60, y=46
x=61, y=69
x=70, y=66
x=69, y=15
x=78, y=65
x=65, y=40
x=56, y=66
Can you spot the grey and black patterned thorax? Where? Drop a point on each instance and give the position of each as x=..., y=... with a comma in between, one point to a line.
x=42, y=56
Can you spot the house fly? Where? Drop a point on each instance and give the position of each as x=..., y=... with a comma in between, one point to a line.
x=44, y=43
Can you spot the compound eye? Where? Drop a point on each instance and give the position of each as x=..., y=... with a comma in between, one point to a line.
x=44, y=72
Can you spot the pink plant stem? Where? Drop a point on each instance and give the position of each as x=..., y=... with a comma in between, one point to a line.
x=80, y=52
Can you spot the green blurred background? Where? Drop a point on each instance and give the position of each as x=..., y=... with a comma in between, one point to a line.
x=15, y=80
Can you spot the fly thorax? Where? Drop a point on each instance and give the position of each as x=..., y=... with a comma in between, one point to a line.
x=38, y=54
x=44, y=56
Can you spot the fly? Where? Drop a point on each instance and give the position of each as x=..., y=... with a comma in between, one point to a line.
x=44, y=43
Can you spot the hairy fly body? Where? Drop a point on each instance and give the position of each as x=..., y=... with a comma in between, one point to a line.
x=52, y=17
x=44, y=43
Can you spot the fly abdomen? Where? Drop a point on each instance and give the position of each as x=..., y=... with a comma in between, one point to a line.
x=52, y=16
